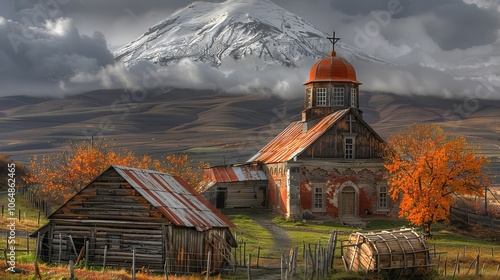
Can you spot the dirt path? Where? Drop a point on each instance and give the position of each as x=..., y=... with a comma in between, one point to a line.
x=281, y=239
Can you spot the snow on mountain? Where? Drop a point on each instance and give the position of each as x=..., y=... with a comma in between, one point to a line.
x=209, y=32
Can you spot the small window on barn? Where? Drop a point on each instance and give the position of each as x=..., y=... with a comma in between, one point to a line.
x=319, y=199
x=349, y=147
x=383, y=198
x=321, y=99
x=114, y=241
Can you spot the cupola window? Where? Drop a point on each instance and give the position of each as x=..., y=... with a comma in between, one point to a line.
x=309, y=98
x=353, y=97
x=321, y=97
x=338, y=96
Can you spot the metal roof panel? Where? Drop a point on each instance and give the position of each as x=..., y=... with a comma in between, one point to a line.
x=293, y=140
x=174, y=198
x=224, y=174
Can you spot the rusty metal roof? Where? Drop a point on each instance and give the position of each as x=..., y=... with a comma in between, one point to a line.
x=225, y=174
x=174, y=198
x=293, y=140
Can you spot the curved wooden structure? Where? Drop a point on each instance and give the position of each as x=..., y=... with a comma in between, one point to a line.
x=396, y=249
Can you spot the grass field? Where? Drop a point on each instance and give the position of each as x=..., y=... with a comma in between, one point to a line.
x=265, y=237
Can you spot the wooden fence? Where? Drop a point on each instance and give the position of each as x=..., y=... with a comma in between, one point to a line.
x=306, y=261
x=473, y=218
x=35, y=201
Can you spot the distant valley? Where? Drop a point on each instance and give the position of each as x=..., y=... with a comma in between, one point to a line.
x=212, y=126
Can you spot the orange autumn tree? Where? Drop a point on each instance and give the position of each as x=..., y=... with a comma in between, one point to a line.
x=428, y=168
x=58, y=177
x=180, y=165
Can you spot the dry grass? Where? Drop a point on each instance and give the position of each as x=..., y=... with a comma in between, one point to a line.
x=62, y=272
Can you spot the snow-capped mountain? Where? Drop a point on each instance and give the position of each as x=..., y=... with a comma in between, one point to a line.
x=208, y=32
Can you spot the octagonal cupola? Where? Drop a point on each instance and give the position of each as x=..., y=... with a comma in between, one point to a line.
x=332, y=86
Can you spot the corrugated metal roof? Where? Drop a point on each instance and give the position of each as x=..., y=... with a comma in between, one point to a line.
x=293, y=140
x=224, y=174
x=174, y=198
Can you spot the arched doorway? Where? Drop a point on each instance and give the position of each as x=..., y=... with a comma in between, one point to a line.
x=348, y=202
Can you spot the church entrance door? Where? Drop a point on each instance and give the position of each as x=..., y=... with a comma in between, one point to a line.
x=348, y=207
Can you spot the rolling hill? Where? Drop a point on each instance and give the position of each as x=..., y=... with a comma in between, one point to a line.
x=212, y=126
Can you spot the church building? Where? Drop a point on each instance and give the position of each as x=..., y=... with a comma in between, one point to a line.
x=328, y=164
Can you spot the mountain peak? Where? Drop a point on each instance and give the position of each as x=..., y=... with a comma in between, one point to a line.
x=209, y=32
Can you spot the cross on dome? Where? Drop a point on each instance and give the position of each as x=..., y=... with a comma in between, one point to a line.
x=334, y=40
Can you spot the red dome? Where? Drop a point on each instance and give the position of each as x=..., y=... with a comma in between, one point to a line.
x=332, y=69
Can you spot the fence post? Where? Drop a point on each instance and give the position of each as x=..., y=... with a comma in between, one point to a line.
x=249, y=272
x=73, y=245
x=244, y=252
x=27, y=242
x=477, y=265
x=60, y=248
x=133, y=263
x=305, y=263
x=209, y=265
x=258, y=256
x=282, y=265
x=38, y=246
x=104, y=258
x=86, y=253
x=71, y=269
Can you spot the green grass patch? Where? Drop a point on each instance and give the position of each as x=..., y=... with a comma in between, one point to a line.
x=252, y=234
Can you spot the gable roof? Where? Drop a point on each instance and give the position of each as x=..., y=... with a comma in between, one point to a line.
x=292, y=141
x=172, y=197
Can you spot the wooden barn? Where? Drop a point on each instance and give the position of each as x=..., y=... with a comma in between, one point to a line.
x=242, y=186
x=329, y=164
x=156, y=215
x=397, y=250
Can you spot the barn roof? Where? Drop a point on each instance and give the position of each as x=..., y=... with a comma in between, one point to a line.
x=174, y=198
x=171, y=196
x=226, y=174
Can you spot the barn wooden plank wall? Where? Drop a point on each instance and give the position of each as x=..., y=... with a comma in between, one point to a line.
x=115, y=218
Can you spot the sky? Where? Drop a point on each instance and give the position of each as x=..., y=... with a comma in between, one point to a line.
x=448, y=48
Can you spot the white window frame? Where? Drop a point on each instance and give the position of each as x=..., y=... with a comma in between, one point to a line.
x=319, y=199
x=349, y=148
x=338, y=96
x=383, y=198
x=353, y=97
x=321, y=97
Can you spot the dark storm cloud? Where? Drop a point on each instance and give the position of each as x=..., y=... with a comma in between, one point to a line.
x=454, y=24
x=440, y=47
x=39, y=50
